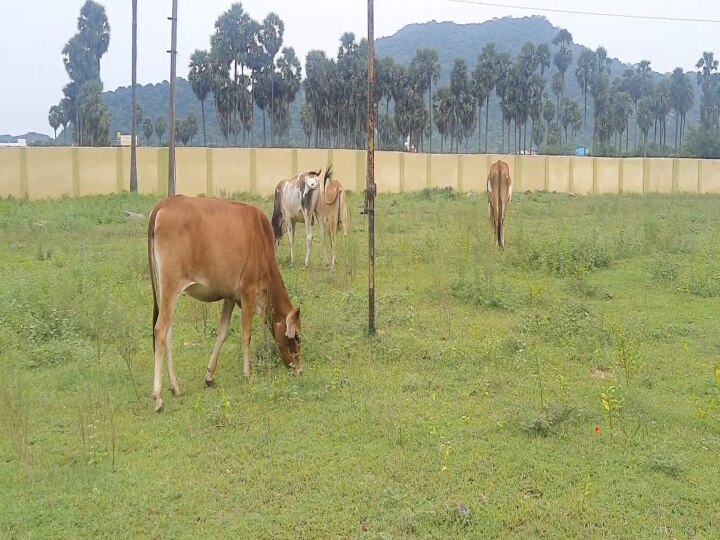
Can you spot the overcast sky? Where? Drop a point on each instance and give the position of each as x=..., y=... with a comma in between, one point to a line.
x=33, y=33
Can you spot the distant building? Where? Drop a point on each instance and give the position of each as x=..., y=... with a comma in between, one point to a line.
x=124, y=140
x=19, y=142
x=582, y=151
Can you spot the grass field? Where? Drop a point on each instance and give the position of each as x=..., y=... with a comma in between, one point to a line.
x=563, y=388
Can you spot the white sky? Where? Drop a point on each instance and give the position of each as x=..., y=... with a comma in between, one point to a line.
x=33, y=33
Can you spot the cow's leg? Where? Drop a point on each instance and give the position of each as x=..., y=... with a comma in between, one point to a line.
x=332, y=233
x=163, y=328
x=321, y=226
x=247, y=305
x=222, y=333
x=174, y=388
x=291, y=240
x=309, y=231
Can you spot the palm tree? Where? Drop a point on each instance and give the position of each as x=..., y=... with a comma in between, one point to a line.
x=662, y=106
x=681, y=94
x=289, y=80
x=96, y=115
x=481, y=93
x=200, y=79
x=543, y=57
x=148, y=129
x=707, y=67
x=463, y=103
x=160, y=128
x=271, y=37
x=548, y=112
x=640, y=85
x=503, y=82
x=93, y=25
x=54, y=118
x=64, y=116
x=383, y=83
x=426, y=68
x=645, y=119
x=442, y=105
x=621, y=111
x=306, y=119
x=536, y=100
x=488, y=67
x=563, y=56
x=557, y=88
x=583, y=72
x=316, y=71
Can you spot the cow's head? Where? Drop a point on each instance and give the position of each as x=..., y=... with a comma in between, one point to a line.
x=287, y=335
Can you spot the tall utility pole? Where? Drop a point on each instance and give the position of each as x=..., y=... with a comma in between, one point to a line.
x=171, y=139
x=133, y=130
x=371, y=187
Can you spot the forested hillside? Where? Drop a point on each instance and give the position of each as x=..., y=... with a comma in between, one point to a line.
x=510, y=84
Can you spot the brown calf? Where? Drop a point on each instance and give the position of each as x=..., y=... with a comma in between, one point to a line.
x=335, y=212
x=499, y=192
x=217, y=250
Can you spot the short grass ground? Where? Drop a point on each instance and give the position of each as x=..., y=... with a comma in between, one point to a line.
x=565, y=387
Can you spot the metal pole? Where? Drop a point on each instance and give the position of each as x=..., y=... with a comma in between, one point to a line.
x=171, y=139
x=371, y=187
x=133, y=130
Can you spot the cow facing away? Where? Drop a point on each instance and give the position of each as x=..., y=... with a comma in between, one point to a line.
x=499, y=192
x=298, y=200
x=216, y=250
x=335, y=213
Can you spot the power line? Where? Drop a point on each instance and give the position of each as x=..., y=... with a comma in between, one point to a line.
x=591, y=13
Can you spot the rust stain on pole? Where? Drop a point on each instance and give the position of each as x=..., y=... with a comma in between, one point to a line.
x=371, y=188
x=171, y=140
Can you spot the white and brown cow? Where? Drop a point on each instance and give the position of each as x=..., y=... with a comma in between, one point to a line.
x=499, y=192
x=216, y=250
x=298, y=200
x=335, y=212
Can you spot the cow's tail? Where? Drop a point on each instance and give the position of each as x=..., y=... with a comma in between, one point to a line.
x=328, y=175
x=153, y=273
x=277, y=216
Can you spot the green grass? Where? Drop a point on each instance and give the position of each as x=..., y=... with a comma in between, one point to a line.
x=472, y=413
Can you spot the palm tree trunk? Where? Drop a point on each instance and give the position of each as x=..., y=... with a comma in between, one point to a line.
x=479, y=125
x=502, y=136
x=487, y=113
x=272, y=110
x=430, y=109
x=202, y=111
x=627, y=136
x=264, y=139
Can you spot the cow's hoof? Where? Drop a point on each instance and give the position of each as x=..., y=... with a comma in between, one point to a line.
x=175, y=391
x=158, y=405
x=209, y=382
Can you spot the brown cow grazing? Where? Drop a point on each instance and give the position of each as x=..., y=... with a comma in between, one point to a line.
x=298, y=200
x=215, y=250
x=335, y=212
x=499, y=192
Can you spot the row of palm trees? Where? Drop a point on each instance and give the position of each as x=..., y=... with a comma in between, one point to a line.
x=242, y=70
x=247, y=69
x=243, y=73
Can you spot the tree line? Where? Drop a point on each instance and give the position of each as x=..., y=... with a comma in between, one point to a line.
x=248, y=70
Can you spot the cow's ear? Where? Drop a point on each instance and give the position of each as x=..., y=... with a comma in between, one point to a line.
x=292, y=323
